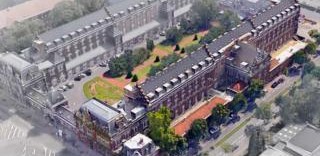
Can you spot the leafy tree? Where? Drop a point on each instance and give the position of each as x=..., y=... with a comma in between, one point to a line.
x=182, y=51
x=150, y=44
x=229, y=20
x=157, y=59
x=311, y=48
x=256, y=143
x=64, y=12
x=213, y=33
x=91, y=5
x=203, y=12
x=165, y=62
x=219, y=114
x=198, y=130
x=129, y=75
x=308, y=67
x=191, y=48
x=238, y=102
x=264, y=112
x=134, y=78
x=173, y=36
x=161, y=133
x=195, y=37
x=20, y=35
x=300, y=57
x=255, y=88
x=316, y=73
x=186, y=26
x=301, y=105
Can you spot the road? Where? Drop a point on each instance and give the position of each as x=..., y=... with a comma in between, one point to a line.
x=24, y=132
x=239, y=138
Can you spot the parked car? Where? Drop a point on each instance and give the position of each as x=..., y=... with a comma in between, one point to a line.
x=88, y=72
x=82, y=75
x=234, y=118
x=78, y=78
x=281, y=80
x=162, y=33
x=102, y=64
x=215, y=131
x=70, y=85
x=274, y=84
x=63, y=88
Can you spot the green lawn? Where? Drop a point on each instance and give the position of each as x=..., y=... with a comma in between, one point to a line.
x=102, y=90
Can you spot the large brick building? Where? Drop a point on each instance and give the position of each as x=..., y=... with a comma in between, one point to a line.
x=239, y=55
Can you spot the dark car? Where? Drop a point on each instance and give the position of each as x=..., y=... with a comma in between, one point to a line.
x=103, y=65
x=234, y=118
x=88, y=72
x=274, y=84
x=281, y=80
x=78, y=78
x=250, y=107
x=215, y=132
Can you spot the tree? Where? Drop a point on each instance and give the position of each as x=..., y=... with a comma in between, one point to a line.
x=64, y=12
x=256, y=143
x=195, y=37
x=91, y=5
x=219, y=114
x=173, y=36
x=264, y=112
x=238, y=102
x=311, y=48
x=307, y=68
x=213, y=33
x=161, y=133
x=316, y=72
x=186, y=26
x=255, y=88
x=150, y=44
x=157, y=59
x=203, y=12
x=134, y=78
x=177, y=48
x=301, y=105
x=182, y=51
x=198, y=130
x=20, y=35
x=229, y=20
x=129, y=75
x=300, y=57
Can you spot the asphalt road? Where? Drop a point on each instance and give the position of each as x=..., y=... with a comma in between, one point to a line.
x=24, y=132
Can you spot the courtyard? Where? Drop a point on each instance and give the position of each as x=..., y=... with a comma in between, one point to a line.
x=102, y=90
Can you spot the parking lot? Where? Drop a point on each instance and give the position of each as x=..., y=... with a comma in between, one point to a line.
x=75, y=95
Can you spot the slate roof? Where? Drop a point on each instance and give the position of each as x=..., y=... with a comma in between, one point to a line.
x=268, y=14
x=123, y=5
x=173, y=71
x=67, y=28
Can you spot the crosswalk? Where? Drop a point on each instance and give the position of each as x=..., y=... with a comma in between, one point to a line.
x=10, y=131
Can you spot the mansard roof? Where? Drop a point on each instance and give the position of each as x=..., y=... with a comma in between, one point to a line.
x=74, y=25
x=173, y=71
x=151, y=84
x=124, y=5
x=272, y=11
